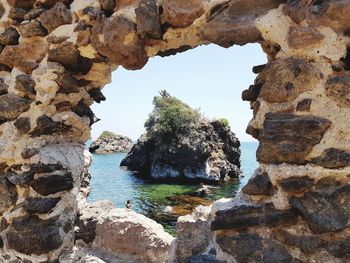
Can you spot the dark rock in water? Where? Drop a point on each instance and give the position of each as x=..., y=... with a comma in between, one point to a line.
x=209, y=152
x=109, y=142
x=32, y=235
x=251, y=216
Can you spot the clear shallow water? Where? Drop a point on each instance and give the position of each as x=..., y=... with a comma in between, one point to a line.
x=109, y=181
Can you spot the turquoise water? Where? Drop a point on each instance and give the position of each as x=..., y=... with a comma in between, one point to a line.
x=109, y=181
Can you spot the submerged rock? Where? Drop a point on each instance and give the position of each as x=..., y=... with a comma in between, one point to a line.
x=182, y=144
x=109, y=142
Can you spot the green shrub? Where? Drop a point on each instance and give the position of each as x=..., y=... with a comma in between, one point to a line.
x=224, y=122
x=170, y=116
x=106, y=134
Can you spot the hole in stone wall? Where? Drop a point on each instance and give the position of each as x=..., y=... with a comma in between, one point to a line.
x=208, y=77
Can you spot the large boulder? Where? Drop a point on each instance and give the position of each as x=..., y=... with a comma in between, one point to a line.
x=109, y=142
x=121, y=233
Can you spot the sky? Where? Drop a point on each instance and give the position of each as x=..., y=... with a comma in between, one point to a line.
x=210, y=77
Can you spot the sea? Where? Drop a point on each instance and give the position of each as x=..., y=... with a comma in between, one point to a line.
x=159, y=201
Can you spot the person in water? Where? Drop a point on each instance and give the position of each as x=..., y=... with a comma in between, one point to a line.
x=128, y=204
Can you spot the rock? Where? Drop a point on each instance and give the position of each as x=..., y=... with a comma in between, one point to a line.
x=32, y=235
x=67, y=83
x=190, y=148
x=17, y=14
x=67, y=54
x=339, y=248
x=252, y=93
x=108, y=38
x=251, y=216
x=307, y=243
x=333, y=158
x=108, y=5
x=338, y=89
x=151, y=244
x=51, y=184
x=258, y=184
x=83, y=110
x=304, y=105
x=243, y=247
x=195, y=160
x=9, y=37
x=321, y=212
x=46, y=126
x=182, y=13
x=203, y=259
x=284, y=79
x=55, y=17
x=89, y=218
x=11, y=106
x=25, y=85
x=249, y=247
x=8, y=195
x=148, y=19
x=97, y=95
x=25, y=56
x=32, y=28
x=189, y=226
x=109, y=142
x=23, y=125
x=40, y=205
x=288, y=138
x=3, y=87
x=296, y=184
x=34, y=13
x=25, y=4
x=234, y=22
x=303, y=37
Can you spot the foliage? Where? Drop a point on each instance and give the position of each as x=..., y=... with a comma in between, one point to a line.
x=170, y=116
x=106, y=134
x=224, y=122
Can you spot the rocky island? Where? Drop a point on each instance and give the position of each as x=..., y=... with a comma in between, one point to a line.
x=109, y=142
x=180, y=143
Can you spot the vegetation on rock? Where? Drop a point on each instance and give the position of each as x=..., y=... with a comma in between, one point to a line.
x=170, y=117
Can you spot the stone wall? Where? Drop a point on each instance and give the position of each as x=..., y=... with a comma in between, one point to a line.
x=57, y=55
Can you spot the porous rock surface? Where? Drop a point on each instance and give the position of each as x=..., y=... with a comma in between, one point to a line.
x=57, y=55
x=121, y=235
x=207, y=152
x=111, y=143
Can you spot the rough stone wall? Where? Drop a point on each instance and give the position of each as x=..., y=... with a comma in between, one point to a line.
x=57, y=55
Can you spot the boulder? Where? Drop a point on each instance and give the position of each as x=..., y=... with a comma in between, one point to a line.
x=119, y=231
x=109, y=142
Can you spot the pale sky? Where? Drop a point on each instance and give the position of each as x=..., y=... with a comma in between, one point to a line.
x=209, y=77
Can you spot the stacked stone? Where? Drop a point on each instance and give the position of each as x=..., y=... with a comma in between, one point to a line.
x=57, y=55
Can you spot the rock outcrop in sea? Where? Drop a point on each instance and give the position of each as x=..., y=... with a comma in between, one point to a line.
x=109, y=142
x=182, y=144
